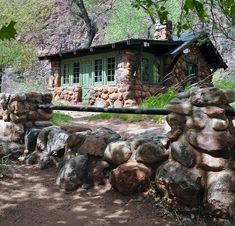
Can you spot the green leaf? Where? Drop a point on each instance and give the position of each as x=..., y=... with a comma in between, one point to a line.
x=200, y=10
x=233, y=11
x=188, y=4
x=9, y=31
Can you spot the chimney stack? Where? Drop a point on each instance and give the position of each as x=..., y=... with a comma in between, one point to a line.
x=163, y=31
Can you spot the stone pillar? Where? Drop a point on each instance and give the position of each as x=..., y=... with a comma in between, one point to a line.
x=201, y=167
x=54, y=80
x=18, y=113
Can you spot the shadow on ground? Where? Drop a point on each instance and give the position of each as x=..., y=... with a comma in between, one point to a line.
x=33, y=199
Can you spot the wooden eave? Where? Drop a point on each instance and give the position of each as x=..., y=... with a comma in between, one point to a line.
x=158, y=47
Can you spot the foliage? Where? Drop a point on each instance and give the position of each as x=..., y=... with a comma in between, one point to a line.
x=226, y=85
x=205, y=11
x=126, y=22
x=159, y=101
x=8, y=32
x=59, y=118
x=28, y=16
x=4, y=170
x=19, y=55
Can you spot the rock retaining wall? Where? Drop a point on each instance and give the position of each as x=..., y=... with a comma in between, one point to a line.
x=72, y=95
x=119, y=97
x=18, y=113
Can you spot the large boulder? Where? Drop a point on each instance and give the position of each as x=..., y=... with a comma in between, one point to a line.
x=180, y=183
x=220, y=194
x=183, y=153
x=149, y=153
x=73, y=174
x=130, y=177
x=93, y=145
x=43, y=137
x=56, y=142
x=30, y=139
x=11, y=149
x=118, y=152
x=108, y=134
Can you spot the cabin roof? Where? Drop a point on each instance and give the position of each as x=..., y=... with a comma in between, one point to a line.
x=159, y=47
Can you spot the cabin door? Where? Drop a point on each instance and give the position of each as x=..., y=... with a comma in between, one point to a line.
x=86, y=79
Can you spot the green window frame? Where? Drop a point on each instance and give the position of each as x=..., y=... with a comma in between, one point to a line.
x=76, y=73
x=111, y=65
x=145, y=70
x=66, y=74
x=98, y=70
x=103, y=70
x=191, y=72
x=151, y=69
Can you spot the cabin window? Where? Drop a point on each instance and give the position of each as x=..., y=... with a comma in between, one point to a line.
x=98, y=70
x=145, y=70
x=111, y=65
x=191, y=72
x=76, y=72
x=151, y=68
x=66, y=72
x=102, y=70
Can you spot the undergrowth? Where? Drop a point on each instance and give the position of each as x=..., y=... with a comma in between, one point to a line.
x=59, y=118
x=226, y=85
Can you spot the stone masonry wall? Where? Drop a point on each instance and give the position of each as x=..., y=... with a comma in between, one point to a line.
x=128, y=90
x=177, y=74
x=18, y=113
x=73, y=95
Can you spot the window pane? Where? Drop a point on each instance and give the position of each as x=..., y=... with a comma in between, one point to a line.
x=66, y=74
x=76, y=72
x=98, y=70
x=156, y=71
x=191, y=72
x=111, y=69
x=145, y=70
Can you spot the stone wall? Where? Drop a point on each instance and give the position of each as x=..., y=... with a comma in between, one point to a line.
x=18, y=113
x=73, y=95
x=119, y=97
x=177, y=72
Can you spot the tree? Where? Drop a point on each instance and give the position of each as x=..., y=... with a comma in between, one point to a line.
x=212, y=14
x=126, y=22
x=28, y=15
x=90, y=11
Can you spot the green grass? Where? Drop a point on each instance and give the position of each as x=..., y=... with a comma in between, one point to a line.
x=60, y=118
x=159, y=101
x=226, y=85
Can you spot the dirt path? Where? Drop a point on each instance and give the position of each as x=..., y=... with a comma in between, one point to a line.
x=34, y=199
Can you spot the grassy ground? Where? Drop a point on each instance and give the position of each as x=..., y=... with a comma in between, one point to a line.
x=60, y=118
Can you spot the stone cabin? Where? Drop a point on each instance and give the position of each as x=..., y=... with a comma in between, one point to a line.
x=124, y=73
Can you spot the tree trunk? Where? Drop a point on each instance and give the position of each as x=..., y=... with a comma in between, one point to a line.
x=90, y=24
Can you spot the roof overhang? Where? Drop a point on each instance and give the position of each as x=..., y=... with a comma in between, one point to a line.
x=158, y=47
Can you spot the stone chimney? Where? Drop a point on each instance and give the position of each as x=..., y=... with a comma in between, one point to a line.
x=163, y=31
